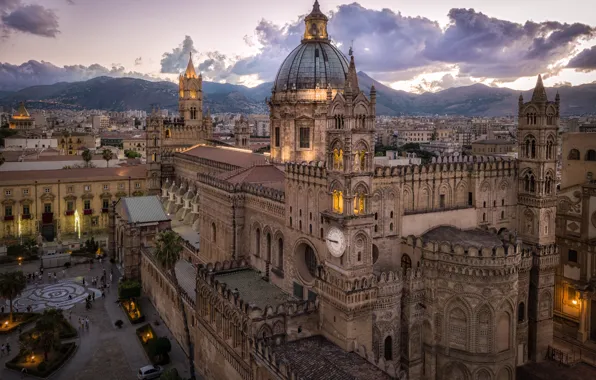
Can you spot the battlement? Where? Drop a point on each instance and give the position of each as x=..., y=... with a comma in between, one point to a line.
x=250, y=188
x=265, y=353
x=207, y=273
x=313, y=169
x=461, y=164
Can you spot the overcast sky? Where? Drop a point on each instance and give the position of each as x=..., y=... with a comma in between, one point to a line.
x=414, y=45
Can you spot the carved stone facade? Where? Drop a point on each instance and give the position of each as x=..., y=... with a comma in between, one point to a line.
x=424, y=271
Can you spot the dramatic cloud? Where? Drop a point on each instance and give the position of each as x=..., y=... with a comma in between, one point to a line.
x=488, y=47
x=584, y=61
x=33, y=73
x=33, y=19
x=447, y=81
x=139, y=61
x=176, y=60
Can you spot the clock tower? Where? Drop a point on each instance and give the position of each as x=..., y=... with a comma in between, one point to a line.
x=345, y=286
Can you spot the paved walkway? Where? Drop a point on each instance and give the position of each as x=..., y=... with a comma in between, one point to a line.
x=104, y=351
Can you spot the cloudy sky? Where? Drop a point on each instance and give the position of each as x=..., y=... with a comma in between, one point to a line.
x=413, y=45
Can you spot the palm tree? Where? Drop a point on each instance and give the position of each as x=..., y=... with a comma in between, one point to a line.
x=167, y=253
x=87, y=157
x=170, y=374
x=107, y=155
x=12, y=285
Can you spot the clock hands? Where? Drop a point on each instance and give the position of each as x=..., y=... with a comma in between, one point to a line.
x=333, y=241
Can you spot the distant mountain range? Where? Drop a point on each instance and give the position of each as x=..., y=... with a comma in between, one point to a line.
x=120, y=94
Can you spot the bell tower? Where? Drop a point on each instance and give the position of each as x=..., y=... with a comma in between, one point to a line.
x=347, y=309
x=153, y=149
x=241, y=132
x=190, y=99
x=537, y=162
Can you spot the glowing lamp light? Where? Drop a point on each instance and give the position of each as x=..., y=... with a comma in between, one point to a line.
x=32, y=357
x=574, y=302
x=6, y=323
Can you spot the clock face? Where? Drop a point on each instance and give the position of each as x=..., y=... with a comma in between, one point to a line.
x=336, y=242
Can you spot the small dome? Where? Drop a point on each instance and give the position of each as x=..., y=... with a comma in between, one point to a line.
x=312, y=64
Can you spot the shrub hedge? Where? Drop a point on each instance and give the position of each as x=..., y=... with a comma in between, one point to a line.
x=44, y=369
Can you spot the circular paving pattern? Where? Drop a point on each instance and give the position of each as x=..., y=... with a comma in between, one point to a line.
x=61, y=295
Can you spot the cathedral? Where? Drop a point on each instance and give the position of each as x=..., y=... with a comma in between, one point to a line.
x=314, y=259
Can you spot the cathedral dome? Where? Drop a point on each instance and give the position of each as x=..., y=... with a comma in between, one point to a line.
x=315, y=63
x=312, y=64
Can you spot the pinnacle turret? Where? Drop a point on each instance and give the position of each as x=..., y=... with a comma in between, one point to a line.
x=190, y=69
x=539, y=94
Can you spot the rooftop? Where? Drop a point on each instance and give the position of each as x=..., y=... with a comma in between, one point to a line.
x=72, y=175
x=495, y=142
x=252, y=288
x=316, y=358
x=472, y=237
x=186, y=274
x=267, y=175
x=232, y=156
x=144, y=209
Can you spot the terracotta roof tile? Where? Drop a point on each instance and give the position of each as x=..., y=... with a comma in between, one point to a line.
x=240, y=158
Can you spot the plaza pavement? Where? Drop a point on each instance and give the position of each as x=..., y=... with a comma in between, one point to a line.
x=104, y=351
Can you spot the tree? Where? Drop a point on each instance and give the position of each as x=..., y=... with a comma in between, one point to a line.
x=1, y=159
x=107, y=155
x=12, y=285
x=87, y=157
x=48, y=327
x=170, y=374
x=159, y=348
x=167, y=253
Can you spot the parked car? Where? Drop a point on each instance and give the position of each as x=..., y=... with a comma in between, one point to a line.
x=149, y=372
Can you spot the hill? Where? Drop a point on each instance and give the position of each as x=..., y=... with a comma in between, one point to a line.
x=119, y=94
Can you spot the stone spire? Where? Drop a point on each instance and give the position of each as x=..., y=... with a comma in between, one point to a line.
x=539, y=94
x=22, y=111
x=352, y=78
x=190, y=69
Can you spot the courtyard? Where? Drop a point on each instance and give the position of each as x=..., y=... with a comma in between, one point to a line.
x=104, y=351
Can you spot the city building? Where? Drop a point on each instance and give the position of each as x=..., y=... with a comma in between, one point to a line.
x=495, y=147
x=575, y=297
x=63, y=204
x=314, y=258
x=21, y=119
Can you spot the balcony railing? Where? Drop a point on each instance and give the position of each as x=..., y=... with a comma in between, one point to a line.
x=88, y=211
x=8, y=217
x=47, y=217
x=69, y=212
x=26, y=216
x=105, y=210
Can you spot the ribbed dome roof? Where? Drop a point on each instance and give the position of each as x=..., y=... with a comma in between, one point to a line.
x=310, y=64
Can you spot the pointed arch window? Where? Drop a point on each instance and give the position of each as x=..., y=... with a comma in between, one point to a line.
x=531, y=118
x=258, y=242
x=406, y=263
x=338, y=202
x=213, y=233
x=573, y=155
x=388, y=352
x=268, y=247
x=280, y=253
x=550, y=148
x=168, y=134
x=338, y=159
x=591, y=155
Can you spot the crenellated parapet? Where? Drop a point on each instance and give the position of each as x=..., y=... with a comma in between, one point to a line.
x=206, y=280
x=315, y=169
x=461, y=165
x=267, y=357
x=249, y=188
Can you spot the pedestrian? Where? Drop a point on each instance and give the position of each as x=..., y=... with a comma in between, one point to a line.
x=87, y=323
x=110, y=277
x=108, y=287
x=55, y=277
x=111, y=272
x=100, y=259
x=3, y=349
x=83, y=281
x=49, y=277
x=103, y=294
x=93, y=296
x=41, y=270
x=70, y=315
x=40, y=278
x=8, y=348
x=63, y=273
x=23, y=372
x=2, y=308
x=80, y=323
